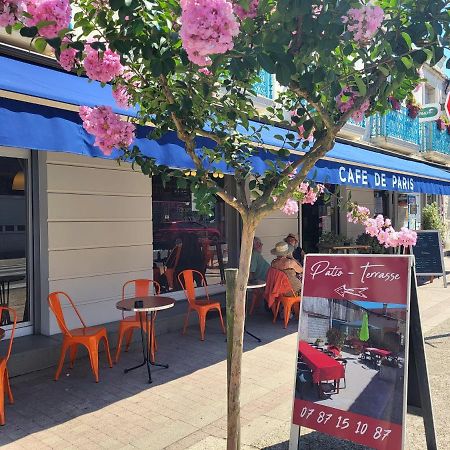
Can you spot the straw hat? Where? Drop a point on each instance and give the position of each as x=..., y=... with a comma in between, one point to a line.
x=291, y=235
x=282, y=249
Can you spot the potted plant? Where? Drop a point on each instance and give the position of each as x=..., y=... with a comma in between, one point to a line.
x=413, y=108
x=375, y=246
x=441, y=124
x=395, y=104
x=335, y=338
x=389, y=369
x=329, y=239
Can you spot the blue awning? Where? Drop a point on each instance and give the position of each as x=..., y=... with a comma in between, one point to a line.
x=24, y=124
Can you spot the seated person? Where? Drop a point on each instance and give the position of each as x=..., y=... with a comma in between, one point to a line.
x=191, y=257
x=285, y=262
x=258, y=265
x=298, y=252
x=186, y=254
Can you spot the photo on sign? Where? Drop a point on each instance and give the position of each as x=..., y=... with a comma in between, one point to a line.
x=351, y=356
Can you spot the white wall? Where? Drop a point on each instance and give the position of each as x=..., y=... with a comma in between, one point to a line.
x=99, y=233
x=275, y=228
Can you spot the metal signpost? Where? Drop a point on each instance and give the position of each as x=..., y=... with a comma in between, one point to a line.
x=360, y=347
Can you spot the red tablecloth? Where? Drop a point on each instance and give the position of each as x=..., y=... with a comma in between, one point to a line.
x=323, y=367
x=378, y=351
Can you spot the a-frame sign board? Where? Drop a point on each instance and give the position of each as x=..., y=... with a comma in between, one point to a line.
x=419, y=395
x=362, y=395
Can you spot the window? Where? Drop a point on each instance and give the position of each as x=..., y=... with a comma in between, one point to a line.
x=13, y=238
x=178, y=226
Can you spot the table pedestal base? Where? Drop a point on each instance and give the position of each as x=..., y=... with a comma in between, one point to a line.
x=146, y=346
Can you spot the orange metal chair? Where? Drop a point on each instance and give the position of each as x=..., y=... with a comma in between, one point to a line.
x=186, y=279
x=4, y=377
x=130, y=323
x=89, y=337
x=257, y=297
x=277, y=284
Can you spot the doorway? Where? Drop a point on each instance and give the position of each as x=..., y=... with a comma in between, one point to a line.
x=15, y=240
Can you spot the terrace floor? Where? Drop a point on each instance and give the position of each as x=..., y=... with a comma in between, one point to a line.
x=185, y=407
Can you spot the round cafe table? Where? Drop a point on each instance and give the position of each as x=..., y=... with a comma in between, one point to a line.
x=258, y=284
x=146, y=307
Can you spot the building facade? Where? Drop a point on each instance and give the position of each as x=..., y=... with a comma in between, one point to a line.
x=74, y=221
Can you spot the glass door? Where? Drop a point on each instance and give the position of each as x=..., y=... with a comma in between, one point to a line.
x=15, y=240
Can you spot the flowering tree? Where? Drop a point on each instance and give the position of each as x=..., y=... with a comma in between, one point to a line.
x=191, y=66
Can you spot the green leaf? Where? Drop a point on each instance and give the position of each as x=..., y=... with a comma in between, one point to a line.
x=266, y=62
x=362, y=88
x=407, y=39
x=115, y=4
x=40, y=44
x=8, y=29
x=407, y=62
x=384, y=70
x=29, y=32
x=55, y=42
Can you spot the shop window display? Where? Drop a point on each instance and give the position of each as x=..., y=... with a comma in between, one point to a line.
x=185, y=239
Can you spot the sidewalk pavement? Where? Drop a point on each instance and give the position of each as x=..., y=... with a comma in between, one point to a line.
x=185, y=407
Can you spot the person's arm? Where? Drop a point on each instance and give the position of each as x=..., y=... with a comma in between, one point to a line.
x=293, y=264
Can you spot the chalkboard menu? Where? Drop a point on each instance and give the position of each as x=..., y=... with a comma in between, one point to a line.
x=428, y=254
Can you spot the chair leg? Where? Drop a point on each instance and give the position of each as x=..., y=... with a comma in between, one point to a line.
x=108, y=353
x=254, y=300
x=2, y=400
x=73, y=354
x=129, y=338
x=61, y=360
x=202, y=320
x=186, y=320
x=287, y=314
x=275, y=309
x=8, y=387
x=92, y=348
x=221, y=320
x=119, y=344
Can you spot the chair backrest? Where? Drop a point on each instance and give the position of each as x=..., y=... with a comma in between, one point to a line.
x=186, y=280
x=277, y=283
x=54, y=301
x=12, y=312
x=142, y=287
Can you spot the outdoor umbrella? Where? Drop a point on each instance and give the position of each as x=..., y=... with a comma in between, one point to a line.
x=364, y=332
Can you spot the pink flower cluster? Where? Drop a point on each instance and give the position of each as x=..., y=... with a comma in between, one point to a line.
x=68, y=58
x=243, y=14
x=307, y=194
x=11, y=11
x=364, y=22
x=102, y=66
x=110, y=132
x=290, y=207
x=381, y=228
x=120, y=92
x=205, y=71
x=207, y=28
x=57, y=11
x=358, y=214
x=346, y=100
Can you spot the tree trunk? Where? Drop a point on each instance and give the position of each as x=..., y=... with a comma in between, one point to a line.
x=236, y=347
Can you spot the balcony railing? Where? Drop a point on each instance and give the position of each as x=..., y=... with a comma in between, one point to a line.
x=435, y=140
x=397, y=124
x=363, y=124
x=265, y=86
